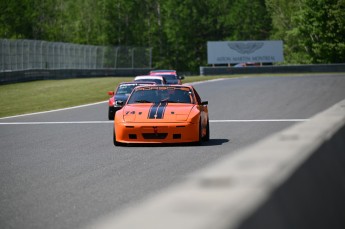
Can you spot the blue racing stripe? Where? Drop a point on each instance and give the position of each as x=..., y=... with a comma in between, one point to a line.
x=153, y=111
x=161, y=109
x=157, y=110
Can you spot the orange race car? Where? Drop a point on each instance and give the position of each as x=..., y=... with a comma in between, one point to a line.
x=162, y=114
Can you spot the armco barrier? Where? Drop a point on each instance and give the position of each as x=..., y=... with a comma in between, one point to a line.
x=294, y=179
x=204, y=71
x=42, y=74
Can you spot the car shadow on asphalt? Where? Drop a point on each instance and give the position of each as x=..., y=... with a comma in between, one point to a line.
x=215, y=142
x=211, y=142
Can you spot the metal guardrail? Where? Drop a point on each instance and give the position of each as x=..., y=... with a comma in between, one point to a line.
x=303, y=68
x=16, y=55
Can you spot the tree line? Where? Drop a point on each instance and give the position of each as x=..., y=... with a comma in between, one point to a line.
x=313, y=31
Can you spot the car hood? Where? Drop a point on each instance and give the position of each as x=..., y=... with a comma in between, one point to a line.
x=158, y=112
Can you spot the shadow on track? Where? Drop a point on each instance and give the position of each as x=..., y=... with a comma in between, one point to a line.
x=211, y=142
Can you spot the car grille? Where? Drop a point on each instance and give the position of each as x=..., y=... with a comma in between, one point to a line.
x=155, y=135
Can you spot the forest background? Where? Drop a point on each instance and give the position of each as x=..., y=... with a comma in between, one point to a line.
x=313, y=31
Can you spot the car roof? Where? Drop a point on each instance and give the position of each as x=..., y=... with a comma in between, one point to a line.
x=162, y=72
x=137, y=83
x=167, y=86
x=148, y=77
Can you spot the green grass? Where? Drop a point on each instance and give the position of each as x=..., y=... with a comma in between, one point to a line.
x=22, y=98
x=29, y=97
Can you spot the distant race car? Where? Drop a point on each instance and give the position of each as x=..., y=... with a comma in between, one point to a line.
x=148, y=78
x=162, y=114
x=121, y=93
x=170, y=76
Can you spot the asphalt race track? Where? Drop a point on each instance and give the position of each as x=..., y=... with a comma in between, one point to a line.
x=60, y=169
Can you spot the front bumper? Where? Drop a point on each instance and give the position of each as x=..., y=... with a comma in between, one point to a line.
x=156, y=132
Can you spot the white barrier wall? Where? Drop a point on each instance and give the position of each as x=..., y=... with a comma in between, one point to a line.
x=293, y=179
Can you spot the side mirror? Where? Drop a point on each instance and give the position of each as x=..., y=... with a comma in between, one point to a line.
x=181, y=77
x=111, y=93
x=204, y=103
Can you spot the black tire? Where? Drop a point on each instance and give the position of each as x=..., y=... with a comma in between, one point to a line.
x=207, y=136
x=116, y=143
x=111, y=114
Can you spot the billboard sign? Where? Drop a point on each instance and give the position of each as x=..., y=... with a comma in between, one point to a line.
x=225, y=52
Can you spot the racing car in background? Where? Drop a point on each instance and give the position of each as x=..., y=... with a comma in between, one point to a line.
x=162, y=114
x=148, y=78
x=120, y=95
x=170, y=76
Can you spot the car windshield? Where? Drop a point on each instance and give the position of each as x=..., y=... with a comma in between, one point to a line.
x=169, y=77
x=125, y=89
x=161, y=94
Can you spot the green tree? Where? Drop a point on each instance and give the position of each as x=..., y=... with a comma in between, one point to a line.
x=49, y=20
x=80, y=21
x=136, y=23
x=313, y=31
x=321, y=25
x=284, y=27
x=16, y=19
x=249, y=20
x=129, y=21
x=189, y=24
x=178, y=30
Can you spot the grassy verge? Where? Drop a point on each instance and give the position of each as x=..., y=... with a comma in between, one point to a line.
x=22, y=98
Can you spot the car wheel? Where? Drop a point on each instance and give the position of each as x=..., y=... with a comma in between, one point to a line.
x=116, y=143
x=207, y=136
x=111, y=114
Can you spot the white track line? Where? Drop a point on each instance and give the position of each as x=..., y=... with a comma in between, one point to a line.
x=102, y=122
x=52, y=123
x=62, y=109
x=207, y=81
x=262, y=120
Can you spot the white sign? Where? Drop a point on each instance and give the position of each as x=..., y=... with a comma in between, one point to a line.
x=224, y=52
